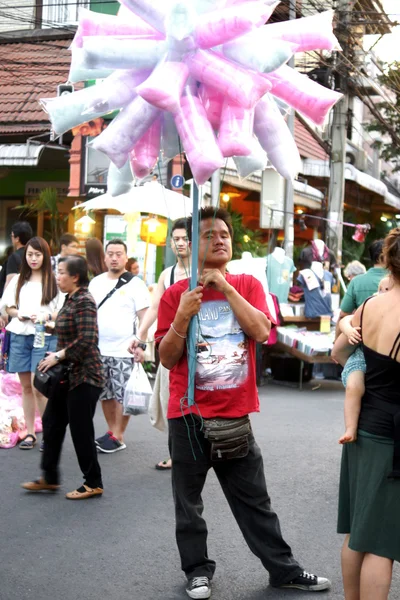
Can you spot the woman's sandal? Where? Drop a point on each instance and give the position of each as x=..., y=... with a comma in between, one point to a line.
x=84, y=492
x=28, y=442
x=165, y=465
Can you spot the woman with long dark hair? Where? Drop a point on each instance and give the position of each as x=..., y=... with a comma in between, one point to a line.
x=369, y=489
x=73, y=403
x=95, y=258
x=31, y=299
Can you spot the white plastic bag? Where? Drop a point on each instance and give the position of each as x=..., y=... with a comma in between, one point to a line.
x=137, y=392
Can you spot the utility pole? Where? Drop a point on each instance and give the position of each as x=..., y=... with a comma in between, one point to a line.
x=339, y=138
x=289, y=193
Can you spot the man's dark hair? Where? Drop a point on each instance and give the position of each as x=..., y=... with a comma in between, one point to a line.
x=77, y=265
x=179, y=224
x=375, y=251
x=67, y=238
x=117, y=241
x=23, y=231
x=211, y=213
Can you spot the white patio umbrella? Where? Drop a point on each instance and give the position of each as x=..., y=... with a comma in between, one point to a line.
x=151, y=198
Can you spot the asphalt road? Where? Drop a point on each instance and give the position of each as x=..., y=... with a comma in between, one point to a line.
x=122, y=545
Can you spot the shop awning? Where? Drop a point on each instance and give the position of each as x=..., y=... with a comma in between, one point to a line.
x=24, y=155
x=320, y=168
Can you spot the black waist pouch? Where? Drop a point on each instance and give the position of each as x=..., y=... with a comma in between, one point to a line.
x=229, y=438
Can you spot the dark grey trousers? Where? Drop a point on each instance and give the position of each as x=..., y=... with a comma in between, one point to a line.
x=243, y=483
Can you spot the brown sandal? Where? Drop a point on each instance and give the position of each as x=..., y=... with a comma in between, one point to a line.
x=39, y=485
x=84, y=492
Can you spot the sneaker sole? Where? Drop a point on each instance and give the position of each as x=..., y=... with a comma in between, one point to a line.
x=111, y=451
x=318, y=587
x=202, y=596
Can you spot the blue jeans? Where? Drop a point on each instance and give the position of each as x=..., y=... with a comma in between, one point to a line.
x=23, y=357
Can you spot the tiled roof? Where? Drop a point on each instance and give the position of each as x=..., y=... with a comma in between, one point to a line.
x=307, y=142
x=30, y=71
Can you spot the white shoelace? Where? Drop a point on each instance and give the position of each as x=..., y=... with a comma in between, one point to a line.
x=200, y=581
x=308, y=575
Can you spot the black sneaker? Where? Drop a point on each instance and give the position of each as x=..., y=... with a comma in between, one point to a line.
x=103, y=438
x=199, y=587
x=110, y=445
x=308, y=582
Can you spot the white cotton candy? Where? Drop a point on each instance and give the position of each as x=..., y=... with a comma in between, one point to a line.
x=119, y=181
x=170, y=146
x=258, y=52
x=79, y=71
x=124, y=52
x=115, y=92
x=275, y=138
x=256, y=161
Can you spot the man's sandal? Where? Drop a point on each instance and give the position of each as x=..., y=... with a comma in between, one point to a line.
x=28, y=442
x=84, y=492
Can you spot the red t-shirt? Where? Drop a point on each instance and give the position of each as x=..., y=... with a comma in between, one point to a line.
x=225, y=384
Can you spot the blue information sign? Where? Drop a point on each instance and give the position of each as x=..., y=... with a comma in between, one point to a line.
x=177, y=181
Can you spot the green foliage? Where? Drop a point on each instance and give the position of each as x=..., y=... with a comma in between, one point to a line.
x=390, y=111
x=246, y=240
x=48, y=203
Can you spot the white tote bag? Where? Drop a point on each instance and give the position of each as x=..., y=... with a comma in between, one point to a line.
x=137, y=392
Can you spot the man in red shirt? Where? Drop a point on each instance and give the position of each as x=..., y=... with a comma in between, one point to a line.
x=231, y=316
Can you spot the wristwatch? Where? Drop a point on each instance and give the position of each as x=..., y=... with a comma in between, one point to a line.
x=57, y=357
x=142, y=346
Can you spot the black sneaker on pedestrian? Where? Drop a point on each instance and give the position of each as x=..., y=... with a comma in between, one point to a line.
x=103, y=438
x=199, y=587
x=308, y=582
x=110, y=445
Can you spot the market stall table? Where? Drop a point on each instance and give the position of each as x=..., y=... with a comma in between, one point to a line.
x=303, y=358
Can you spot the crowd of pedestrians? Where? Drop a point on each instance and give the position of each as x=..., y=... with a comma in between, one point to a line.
x=93, y=316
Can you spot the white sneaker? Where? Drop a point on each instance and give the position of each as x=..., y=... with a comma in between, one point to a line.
x=199, y=588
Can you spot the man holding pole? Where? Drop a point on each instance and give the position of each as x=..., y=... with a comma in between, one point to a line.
x=230, y=316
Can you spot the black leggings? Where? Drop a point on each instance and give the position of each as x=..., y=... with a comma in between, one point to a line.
x=75, y=407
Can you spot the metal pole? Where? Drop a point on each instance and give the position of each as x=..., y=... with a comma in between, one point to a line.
x=215, y=187
x=192, y=357
x=289, y=193
x=338, y=152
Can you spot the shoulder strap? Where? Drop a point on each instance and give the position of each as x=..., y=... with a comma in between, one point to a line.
x=362, y=311
x=122, y=280
x=393, y=353
x=172, y=275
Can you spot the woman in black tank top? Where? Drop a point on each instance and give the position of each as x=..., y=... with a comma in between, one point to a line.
x=369, y=492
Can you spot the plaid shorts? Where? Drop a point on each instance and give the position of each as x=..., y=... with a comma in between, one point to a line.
x=117, y=372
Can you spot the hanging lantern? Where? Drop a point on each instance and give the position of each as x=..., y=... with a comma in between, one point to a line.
x=360, y=233
x=85, y=224
x=154, y=231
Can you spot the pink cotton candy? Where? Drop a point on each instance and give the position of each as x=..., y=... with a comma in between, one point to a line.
x=164, y=87
x=241, y=86
x=275, y=138
x=309, y=33
x=198, y=139
x=98, y=24
x=309, y=98
x=143, y=157
x=213, y=102
x=236, y=130
x=125, y=131
x=221, y=26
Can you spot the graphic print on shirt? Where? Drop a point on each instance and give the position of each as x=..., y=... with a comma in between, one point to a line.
x=222, y=348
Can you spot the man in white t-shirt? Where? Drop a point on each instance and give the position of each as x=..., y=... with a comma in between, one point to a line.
x=121, y=299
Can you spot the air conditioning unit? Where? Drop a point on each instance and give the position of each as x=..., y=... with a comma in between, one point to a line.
x=357, y=158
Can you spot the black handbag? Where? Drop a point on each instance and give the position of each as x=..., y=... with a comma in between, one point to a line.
x=47, y=383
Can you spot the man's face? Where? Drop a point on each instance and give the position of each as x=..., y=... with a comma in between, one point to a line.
x=69, y=249
x=215, y=243
x=180, y=243
x=116, y=258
